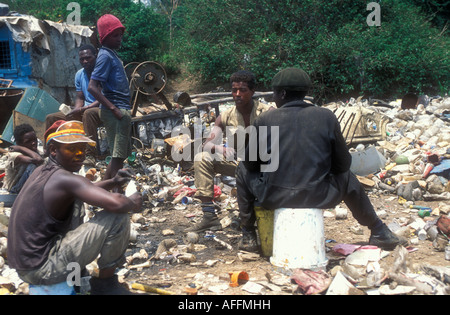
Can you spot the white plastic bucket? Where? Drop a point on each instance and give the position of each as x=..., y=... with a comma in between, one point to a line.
x=299, y=239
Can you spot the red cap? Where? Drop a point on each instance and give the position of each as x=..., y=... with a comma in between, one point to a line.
x=53, y=128
x=107, y=24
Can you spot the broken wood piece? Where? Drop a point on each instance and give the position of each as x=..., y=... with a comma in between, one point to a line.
x=365, y=181
x=143, y=265
x=228, y=246
x=247, y=256
x=147, y=288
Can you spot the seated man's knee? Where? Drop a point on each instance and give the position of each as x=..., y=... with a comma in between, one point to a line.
x=203, y=159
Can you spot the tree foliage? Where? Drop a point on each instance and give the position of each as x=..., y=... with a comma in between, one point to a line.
x=331, y=40
x=146, y=32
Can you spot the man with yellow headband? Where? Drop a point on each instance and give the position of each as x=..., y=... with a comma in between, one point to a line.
x=46, y=231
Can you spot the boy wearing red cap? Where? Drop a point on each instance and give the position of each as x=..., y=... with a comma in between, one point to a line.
x=109, y=85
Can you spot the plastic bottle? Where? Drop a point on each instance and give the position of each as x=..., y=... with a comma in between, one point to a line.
x=432, y=232
x=424, y=213
x=422, y=234
x=103, y=140
x=142, y=130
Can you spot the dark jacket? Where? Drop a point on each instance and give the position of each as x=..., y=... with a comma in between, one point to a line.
x=311, y=149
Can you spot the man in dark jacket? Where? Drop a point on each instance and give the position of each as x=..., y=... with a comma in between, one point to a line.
x=313, y=163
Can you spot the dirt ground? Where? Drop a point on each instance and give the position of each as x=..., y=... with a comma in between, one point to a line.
x=210, y=271
x=209, y=274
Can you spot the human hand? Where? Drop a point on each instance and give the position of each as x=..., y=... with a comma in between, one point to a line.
x=229, y=153
x=137, y=200
x=75, y=114
x=38, y=160
x=123, y=176
x=118, y=113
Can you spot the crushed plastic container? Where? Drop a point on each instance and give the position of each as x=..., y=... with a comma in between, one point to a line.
x=367, y=162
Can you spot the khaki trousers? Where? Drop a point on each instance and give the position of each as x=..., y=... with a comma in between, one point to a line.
x=206, y=166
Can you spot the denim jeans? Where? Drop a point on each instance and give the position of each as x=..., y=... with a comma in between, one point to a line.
x=18, y=186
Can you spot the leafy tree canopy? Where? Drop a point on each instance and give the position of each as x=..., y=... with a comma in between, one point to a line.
x=331, y=40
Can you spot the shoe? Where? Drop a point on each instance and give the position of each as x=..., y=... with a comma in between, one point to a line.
x=108, y=286
x=385, y=239
x=210, y=222
x=249, y=241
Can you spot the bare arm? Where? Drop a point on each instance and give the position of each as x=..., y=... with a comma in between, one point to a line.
x=79, y=100
x=121, y=178
x=79, y=108
x=64, y=187
x=28, y=156
x=96, y=91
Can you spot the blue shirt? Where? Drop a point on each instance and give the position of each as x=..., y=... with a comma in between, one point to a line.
x=81, y=85
x=110, y=72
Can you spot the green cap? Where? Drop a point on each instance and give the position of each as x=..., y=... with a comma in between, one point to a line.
x=292, y=79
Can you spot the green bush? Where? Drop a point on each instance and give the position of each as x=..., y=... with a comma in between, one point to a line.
x=146, y=34
x=329, y=39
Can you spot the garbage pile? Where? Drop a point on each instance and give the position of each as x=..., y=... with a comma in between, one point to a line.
x=408, y=165
x=9, y=279
x=362, y=272
x=413, y=159
x=418, y=152
x=402, y=155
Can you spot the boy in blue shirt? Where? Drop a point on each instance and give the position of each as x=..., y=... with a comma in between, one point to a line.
x=109, y=85
x=86, y=106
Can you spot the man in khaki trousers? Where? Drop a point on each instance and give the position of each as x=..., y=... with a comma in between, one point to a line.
x=216, y=158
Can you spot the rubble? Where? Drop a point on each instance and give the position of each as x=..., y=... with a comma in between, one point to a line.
x=408, y=182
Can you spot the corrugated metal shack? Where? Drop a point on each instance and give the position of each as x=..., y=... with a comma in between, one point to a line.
x=41, y=53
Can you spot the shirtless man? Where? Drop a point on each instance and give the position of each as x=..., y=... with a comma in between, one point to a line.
x=46, y=231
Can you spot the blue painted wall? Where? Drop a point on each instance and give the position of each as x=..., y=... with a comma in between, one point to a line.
x=20, y=70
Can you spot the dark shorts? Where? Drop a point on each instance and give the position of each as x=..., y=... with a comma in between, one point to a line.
x=118, y=132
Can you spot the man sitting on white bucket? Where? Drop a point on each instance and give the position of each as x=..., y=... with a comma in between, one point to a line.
x=312, y=159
